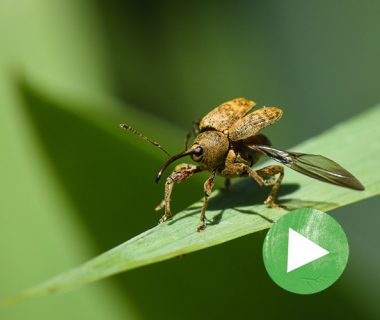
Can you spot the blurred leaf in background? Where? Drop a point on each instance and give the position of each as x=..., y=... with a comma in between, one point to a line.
x=57, y=43
x=68, y=193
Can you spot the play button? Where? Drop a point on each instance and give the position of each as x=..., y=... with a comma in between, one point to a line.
x=305, y=251
x=302, y=251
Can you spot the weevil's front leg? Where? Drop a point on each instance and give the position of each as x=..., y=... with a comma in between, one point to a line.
x=271, y=171
x=187, y=138
x=181, y=172
x=208, y=186
x=195, y=131
x=195, y=128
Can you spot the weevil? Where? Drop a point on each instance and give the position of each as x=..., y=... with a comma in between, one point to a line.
x=228, y=143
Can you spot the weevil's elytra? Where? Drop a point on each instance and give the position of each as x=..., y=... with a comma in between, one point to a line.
x=228, y=143
x=223, y=116
x=252, y=123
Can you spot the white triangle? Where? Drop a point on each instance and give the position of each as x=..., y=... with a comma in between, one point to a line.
x=302, y=251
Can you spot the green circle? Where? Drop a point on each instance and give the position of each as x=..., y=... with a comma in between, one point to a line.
x=323, y=231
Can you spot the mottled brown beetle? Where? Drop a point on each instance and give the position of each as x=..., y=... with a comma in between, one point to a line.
x=227, y=144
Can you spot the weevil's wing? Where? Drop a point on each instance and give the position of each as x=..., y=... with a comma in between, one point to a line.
x=253, y=122
x=312, y=165
x=223, y=116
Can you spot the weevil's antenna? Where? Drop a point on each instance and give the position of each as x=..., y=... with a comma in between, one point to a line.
x=134, y=131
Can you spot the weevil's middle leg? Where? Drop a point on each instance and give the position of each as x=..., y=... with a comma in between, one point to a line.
x=181, y=172
x=208, y=186
x=241, y=169
x=271, y=171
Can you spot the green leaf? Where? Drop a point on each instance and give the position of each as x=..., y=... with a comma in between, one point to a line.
x=239, y=211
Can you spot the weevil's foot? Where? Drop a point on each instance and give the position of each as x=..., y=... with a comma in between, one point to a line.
x=270, y=202
x=202, y=227
x=165, y=217
x=160, y=206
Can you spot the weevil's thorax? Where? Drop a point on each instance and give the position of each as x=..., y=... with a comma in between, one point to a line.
x=215, y=146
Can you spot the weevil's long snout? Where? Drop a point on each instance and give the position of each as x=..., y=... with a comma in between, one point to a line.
x=171, y=160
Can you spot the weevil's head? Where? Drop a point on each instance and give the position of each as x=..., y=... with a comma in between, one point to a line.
x=209, y=150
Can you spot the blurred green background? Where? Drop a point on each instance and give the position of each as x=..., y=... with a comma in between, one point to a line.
x=74, y=185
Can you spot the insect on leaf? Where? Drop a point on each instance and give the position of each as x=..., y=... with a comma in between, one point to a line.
x=228, y=216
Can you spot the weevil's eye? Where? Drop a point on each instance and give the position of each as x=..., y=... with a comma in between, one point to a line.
x=198, y=152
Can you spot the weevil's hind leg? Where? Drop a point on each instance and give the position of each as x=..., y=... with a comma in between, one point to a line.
x=181, y=172
x=271, y=171
x=208, y=186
